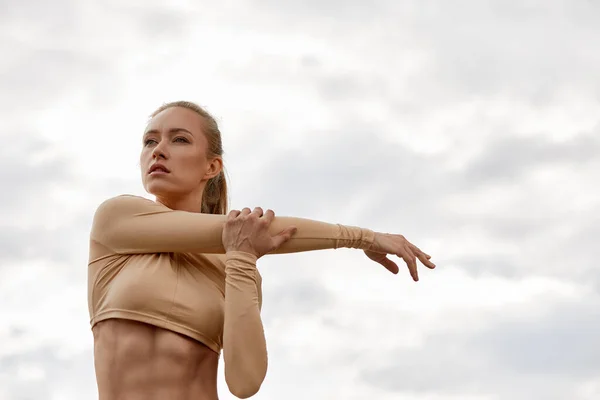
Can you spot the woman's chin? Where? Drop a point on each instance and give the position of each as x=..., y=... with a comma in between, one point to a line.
x=160, y=189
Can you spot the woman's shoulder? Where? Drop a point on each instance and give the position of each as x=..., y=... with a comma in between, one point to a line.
x=125, y=199
x=124, y=204
x=128, y=199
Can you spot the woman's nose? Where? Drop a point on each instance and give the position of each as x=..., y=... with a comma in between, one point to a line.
x=159, y=151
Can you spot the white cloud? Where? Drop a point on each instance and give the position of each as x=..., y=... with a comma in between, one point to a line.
x=470, y=127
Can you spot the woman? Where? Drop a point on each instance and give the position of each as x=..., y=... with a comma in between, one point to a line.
x=172, y=282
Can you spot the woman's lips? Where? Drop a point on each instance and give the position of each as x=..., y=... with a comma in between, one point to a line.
x=159, y=172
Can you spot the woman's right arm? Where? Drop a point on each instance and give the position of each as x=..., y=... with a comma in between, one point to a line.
x=129, y=224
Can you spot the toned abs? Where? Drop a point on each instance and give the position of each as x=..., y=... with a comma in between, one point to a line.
x=137, y=361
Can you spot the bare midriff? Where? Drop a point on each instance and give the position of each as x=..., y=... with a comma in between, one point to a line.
x=137, y=361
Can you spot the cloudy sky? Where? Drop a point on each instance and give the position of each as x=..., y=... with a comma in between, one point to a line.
x=471, y=127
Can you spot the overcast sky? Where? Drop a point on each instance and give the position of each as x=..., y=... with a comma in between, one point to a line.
x=471, y=127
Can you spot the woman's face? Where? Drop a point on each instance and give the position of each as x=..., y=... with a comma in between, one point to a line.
x=174, y=138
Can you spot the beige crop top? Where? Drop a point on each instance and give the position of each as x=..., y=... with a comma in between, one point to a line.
x=168, y=268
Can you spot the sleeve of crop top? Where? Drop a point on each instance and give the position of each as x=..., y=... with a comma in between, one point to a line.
x=244, y=345
x=129, y=224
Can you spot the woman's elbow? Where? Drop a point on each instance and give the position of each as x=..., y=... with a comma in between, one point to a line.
x=244, y=392
x=245, y=384
x=244, y=388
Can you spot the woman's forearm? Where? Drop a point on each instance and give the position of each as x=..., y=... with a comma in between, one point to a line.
x=244, y=345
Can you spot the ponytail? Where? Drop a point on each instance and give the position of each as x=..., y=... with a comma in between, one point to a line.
x=214, y=198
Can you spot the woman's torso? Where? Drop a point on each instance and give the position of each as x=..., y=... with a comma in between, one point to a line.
x=158, y=323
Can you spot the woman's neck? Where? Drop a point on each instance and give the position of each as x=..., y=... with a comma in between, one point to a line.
x=189, y=203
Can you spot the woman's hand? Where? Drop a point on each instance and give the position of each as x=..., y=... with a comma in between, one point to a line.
x=249, y=232
x=386, y=243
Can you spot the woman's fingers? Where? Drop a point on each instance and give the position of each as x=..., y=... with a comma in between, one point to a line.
x=283, y=237
x=233, y=214
x=389, y=265
x=415, y=250
x=411, y=261
x=269, y=216
x=426, y=262
x=423, y=257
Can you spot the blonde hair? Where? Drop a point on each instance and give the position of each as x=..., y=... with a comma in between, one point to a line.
x=214, y=198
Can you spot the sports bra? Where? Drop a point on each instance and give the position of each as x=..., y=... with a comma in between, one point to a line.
x=168, y=268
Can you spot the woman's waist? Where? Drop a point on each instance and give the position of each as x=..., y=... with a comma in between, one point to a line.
x=137, y=359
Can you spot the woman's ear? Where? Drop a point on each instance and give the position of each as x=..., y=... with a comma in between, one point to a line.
x=214, y=168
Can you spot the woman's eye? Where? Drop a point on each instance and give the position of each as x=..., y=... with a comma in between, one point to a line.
x=149, y=141
x=181, y=139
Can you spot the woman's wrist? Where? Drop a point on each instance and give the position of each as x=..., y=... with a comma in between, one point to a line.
x=241, y=255
x=355, y=238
